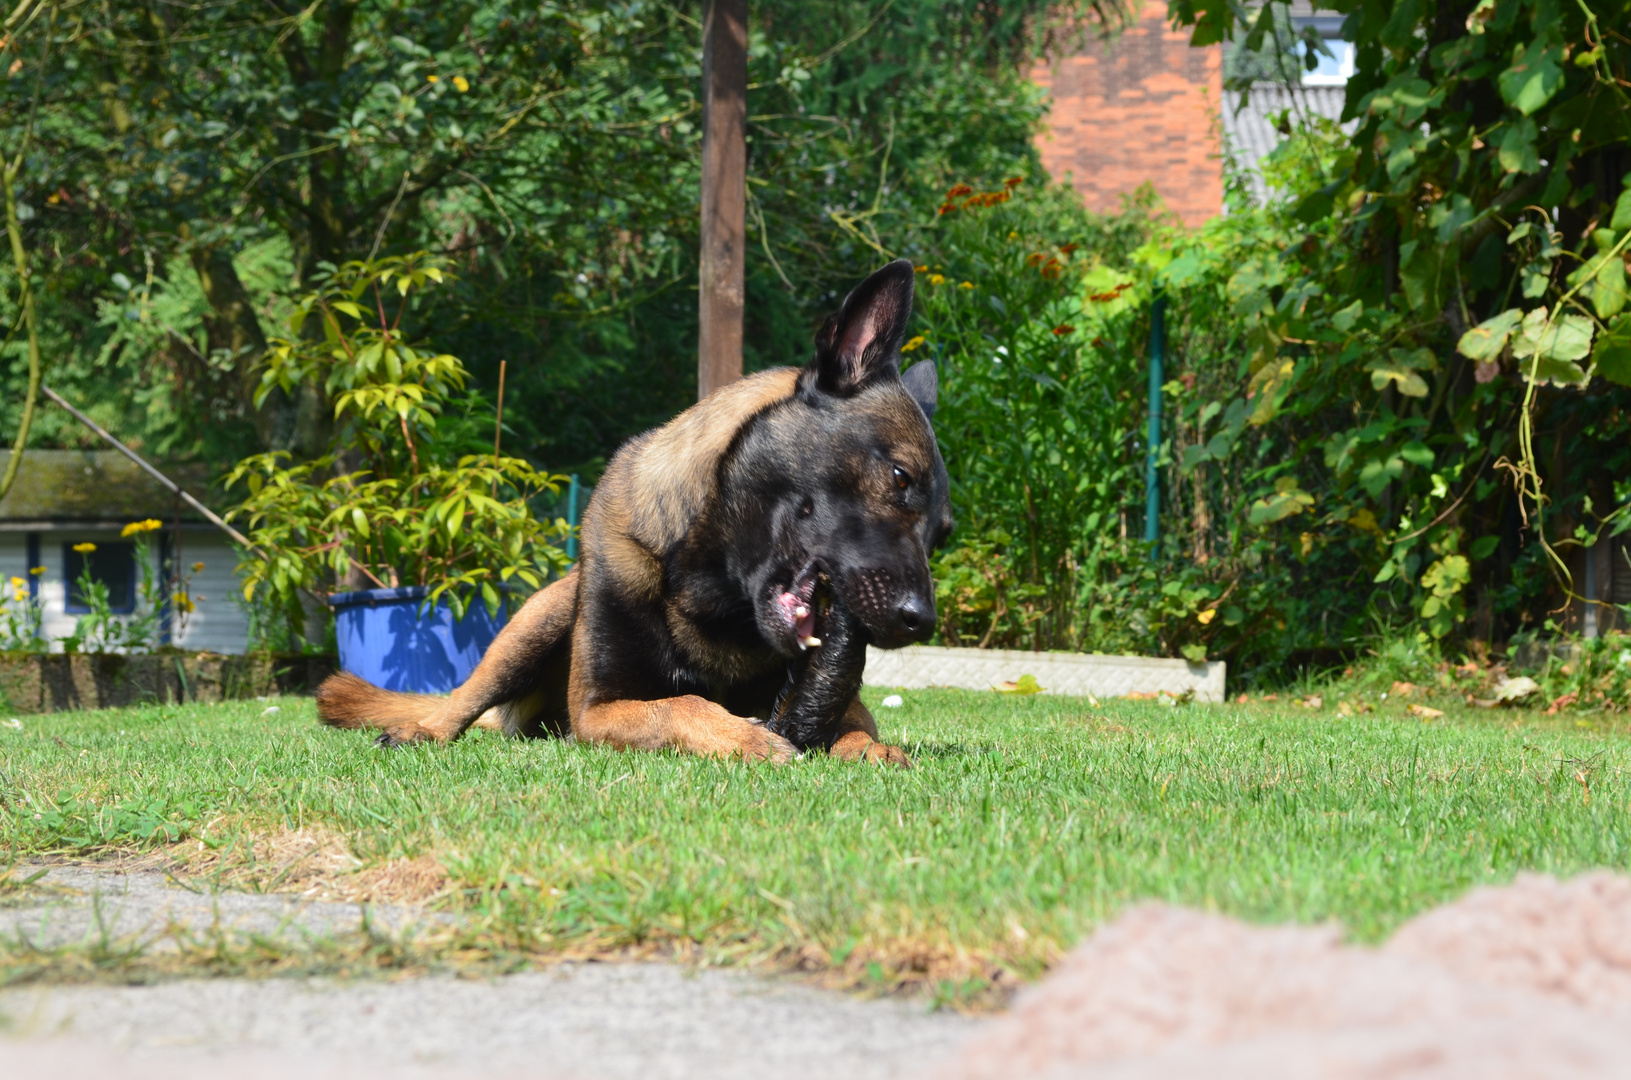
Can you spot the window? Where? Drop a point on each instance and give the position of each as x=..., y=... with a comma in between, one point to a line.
x=113, y=563
x=1333, y=70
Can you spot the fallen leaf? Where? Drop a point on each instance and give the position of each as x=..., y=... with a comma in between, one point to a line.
x=1516, y=691
x=1424, y=712
x=1402, y=689
x=1562, y=703
x=1026, y=685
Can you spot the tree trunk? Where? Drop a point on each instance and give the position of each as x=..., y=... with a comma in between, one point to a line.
x=721, y=284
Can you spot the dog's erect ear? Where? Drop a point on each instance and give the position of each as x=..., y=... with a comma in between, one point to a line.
x=861, y=344
x=922, y=381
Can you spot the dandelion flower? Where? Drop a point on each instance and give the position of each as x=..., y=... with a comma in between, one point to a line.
x=433, y=78
x=85, y=548
x=937, y=279
x=36, y=570
x=17, y=582
x=136, y=527
x=966, y=285
x=461, y=82
x=914, y=343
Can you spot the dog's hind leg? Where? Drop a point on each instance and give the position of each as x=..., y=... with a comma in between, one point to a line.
x=522, y=678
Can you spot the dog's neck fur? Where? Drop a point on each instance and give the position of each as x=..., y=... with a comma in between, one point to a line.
x=646, y=509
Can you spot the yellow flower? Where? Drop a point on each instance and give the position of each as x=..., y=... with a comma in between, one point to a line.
x=37, y=570
x=433, y=78
x=198, y=568
x=966, y=285
x=19, y=595
x=85, y=548
x=184, y=603
x=937, y=279
x=461, y=82
x=921, y=269
x=17, y=583
x=1206, y=616
x=914, y=343
x=141, y=527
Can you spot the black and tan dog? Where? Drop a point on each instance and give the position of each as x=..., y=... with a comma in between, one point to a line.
x=735, y=562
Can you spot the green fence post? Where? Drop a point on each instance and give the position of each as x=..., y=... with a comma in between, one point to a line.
x=1152, y=477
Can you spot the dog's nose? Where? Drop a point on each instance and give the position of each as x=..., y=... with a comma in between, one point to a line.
x=915, y=619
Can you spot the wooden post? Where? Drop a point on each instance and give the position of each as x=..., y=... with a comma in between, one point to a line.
x=721, y=278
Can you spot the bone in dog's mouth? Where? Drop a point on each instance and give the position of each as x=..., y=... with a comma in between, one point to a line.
x=798, y=606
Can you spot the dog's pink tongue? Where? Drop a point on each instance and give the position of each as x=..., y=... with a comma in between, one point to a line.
x=803, y=624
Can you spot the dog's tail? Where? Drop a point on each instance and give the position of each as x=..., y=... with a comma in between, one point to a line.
x=519, y=686
x=346, y=701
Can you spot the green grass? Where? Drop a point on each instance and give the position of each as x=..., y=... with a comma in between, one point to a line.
x=1026, y=822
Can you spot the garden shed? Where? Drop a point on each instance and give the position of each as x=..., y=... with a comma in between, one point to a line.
x=67, y=499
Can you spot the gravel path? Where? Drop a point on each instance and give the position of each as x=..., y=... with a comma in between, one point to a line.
x=591, y=1021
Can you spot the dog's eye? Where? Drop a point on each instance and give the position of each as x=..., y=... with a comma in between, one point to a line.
x=807, y=507
x=903, y=479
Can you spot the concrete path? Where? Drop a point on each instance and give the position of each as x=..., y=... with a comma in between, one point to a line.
x=588, y=1021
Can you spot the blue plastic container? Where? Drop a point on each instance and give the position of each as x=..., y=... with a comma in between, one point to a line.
x=385, y=638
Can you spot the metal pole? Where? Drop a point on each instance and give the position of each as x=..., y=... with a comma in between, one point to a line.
x=1152, y=475
x=213, y=517
x=721, y=277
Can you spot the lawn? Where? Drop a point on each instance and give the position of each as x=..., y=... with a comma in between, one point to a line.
x=1026, y=822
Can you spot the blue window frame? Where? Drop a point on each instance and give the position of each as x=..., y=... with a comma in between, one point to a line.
x=113, y=563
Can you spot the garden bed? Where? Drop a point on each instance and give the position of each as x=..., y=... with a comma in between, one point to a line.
x=58, y=682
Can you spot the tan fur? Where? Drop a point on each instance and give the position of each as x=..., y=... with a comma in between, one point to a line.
x=673, y=476
x=346, y=701
x=689, y=723
x=648, y=499
x=859, y=740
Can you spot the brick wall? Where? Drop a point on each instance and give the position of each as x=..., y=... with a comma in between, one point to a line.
x=1143, y=110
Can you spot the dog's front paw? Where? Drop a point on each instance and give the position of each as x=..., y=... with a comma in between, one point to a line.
x=768, y=746
x=859, y=746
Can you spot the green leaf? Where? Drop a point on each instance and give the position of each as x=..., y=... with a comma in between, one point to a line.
x=1612, y=354
x=1533, y=78
x=1195, y=654
x=1417, y=453
x=1565, y=338
x=1486, y=340
x=1287, y=501
x=1518, y=152
x=1622, y=207
x=1484, y=546
x=1546, y=369
x=1401, y=367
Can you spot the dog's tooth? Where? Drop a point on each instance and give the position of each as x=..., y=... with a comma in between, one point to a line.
x=801, y=611
x=812, y=642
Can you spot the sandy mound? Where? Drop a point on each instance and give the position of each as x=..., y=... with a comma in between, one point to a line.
x=1532, y=980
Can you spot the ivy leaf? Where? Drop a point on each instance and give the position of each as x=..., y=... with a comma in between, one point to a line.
x=1622, y=207
x=1518, y=153
x=1533, y=77
x=1485, y=341
x=1566, y=338
x=1287, y=501
x=1612, y=354
x=1401, y=367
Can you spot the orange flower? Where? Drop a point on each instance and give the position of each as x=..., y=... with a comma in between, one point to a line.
x=1063, y=330
x=959, y=191
x=1013, y=182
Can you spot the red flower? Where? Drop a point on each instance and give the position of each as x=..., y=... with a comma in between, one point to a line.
x=1013, y=182
x=959, y=191
x=1063, y=330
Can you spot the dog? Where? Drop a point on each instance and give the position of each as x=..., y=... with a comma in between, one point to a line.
x=716, y=554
